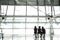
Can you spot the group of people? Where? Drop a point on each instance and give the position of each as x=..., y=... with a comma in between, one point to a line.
x=39, y=32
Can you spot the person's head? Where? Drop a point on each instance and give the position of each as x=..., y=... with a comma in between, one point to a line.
x=35, y=27
x=39, y=26
x=42, y=27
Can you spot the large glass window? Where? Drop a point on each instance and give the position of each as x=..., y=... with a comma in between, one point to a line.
x=19, y=24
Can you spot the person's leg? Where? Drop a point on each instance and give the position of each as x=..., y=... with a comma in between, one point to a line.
x=35, y=36
x=41, y=36
x=44, y=36
x=38, y=36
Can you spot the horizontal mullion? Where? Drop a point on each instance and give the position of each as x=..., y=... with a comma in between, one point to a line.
x=28, y=28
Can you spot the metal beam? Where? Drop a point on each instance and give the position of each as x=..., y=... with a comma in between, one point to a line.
x=21, y=16
x=27, y=28
x=30, y=2
x=25, y=16
x=27, y=22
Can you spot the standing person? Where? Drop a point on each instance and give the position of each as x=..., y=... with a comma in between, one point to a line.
x=43, y=32
x=35, y=32
x=39, y=32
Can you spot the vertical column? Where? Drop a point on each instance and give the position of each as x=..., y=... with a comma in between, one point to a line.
x=38, y=36
x=13, y=23
x=52, y=2
x=25, y=20
x=0, y=25
x=44, y=2
x=59, y=2
x=0, y=9
x=51, y=30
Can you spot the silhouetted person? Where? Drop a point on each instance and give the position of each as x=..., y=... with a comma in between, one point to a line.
x=39, y=30
x=43, y=32
x=35, y=32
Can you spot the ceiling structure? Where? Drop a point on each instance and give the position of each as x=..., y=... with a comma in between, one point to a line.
x=30, y=2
